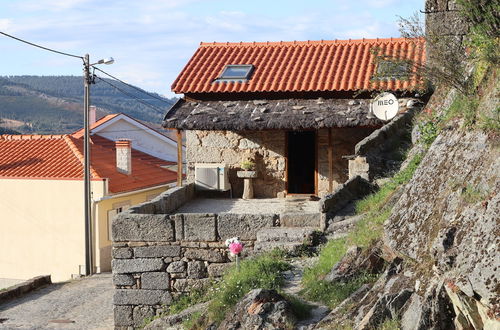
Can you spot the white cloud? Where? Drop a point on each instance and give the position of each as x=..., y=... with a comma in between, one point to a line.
x=5, y=24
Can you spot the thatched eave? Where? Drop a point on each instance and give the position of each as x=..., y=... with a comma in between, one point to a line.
x=289, y=114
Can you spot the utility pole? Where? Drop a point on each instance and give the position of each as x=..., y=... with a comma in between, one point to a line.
x=86, y=165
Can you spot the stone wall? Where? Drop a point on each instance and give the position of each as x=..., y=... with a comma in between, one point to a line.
x=268, y=148
x=158, y=255
x=343, y=143
x=231, y=148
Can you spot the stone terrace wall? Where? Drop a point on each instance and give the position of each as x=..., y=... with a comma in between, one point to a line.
x=158, y=255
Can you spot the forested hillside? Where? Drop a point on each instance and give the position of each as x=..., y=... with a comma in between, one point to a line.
x=54, y=104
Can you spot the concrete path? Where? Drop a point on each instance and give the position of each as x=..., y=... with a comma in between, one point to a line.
x=80, y=304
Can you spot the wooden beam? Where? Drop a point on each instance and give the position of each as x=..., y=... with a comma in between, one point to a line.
x=330, y=161
x=179, y=158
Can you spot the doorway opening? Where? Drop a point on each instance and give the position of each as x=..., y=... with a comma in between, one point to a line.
x=301, y=169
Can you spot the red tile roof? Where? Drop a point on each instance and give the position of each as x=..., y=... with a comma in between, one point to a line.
x=340, y=65
x=61, y=157
x=80, y=132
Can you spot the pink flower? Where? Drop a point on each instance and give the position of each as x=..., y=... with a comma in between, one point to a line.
x=235, y=248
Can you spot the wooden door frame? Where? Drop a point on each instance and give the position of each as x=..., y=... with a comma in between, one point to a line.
x=316, y=157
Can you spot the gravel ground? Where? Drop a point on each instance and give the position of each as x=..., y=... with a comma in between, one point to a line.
x=80, y=304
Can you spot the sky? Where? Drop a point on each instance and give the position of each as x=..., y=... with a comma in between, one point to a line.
x=152, y=40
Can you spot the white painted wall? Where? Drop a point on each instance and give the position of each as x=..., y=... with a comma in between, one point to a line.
x=142, y=140
x=42, y=230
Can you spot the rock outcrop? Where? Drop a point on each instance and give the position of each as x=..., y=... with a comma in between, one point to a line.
x=260, y=309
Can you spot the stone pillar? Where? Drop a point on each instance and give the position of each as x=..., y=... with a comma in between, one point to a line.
x=247, y=188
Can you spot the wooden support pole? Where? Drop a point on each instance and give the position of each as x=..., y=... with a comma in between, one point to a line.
x=179, y=158
x=330, y=161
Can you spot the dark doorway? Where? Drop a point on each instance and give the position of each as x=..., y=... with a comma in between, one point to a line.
x=301, y=162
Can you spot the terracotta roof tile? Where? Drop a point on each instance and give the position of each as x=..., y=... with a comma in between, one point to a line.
x=326, y=65
x=61, y=157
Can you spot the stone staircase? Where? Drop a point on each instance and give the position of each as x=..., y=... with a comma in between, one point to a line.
x=287, y=238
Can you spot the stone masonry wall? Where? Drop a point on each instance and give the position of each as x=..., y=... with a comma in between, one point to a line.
x=158, y=255
x=268, y=148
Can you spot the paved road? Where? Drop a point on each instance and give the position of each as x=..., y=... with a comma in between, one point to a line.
x=79, y=304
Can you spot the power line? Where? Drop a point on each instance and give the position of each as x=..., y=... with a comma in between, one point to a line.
x=133, y=96
x=42, y=47
x=132, y=86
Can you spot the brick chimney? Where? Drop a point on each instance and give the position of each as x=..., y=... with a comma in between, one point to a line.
x=92, y=114
x=124, y=156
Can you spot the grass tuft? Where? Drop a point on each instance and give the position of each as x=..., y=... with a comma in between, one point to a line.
x=390, y=324
x=263, y=271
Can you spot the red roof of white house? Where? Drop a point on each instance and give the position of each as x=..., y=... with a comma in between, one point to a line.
x=298, y=66
x=61, y=157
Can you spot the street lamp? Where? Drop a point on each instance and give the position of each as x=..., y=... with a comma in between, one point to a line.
x=87, y=81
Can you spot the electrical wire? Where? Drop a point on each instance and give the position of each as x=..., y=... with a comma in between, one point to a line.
x=132, y=86
x=42, y=47
x=132, y=96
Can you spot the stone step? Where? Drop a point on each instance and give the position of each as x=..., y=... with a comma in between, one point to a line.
x=286, y=234
x=269, y=246
x=300, y=219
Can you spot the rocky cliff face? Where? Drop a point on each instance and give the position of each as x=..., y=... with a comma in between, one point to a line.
x=442, y=237
x=446, y=227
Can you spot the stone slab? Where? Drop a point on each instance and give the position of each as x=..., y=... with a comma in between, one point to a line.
x=300, y=220
x=122, y=253
x=123, y=279
x=123, y=315
x=124, y=266
x=176, y=267
x=244, y=226
x=155, y=280
x=142, y=227
x=218, y=269
x=141, y=297
x=157, y=251
x=204, y=255
x=199, y=227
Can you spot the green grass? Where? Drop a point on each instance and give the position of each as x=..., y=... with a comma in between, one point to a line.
x=366, y=232
x=193, y=321
x=472, y=194
x=333, y=293
x=300, y=309
x=194, y=297
x=390, y=324
x=376, y=201
x=263, y=271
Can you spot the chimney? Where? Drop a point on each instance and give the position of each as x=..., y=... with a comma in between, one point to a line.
x=124, y=156
x=92, y=114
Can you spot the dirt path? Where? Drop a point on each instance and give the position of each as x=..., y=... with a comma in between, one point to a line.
x=79, y=304
x=293, y=287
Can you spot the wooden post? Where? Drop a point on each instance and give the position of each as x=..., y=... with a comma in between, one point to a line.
x=179, y=158
x=330, y=161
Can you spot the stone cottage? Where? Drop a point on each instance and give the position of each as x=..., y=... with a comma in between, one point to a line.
x=296, y=108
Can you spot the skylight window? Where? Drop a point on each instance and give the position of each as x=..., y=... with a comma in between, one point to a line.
x=392, y=70
x=236, y=73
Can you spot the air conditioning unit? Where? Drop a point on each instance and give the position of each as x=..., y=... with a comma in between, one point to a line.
x=211, y=176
